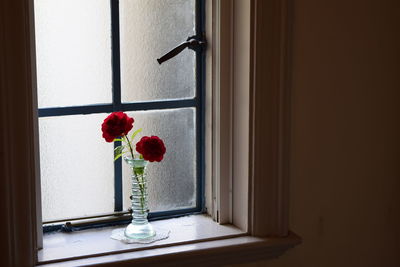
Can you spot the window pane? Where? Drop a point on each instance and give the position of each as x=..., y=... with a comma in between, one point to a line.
x=171, y=182
x=73, y=52
x=149, y=29
x=76, y=164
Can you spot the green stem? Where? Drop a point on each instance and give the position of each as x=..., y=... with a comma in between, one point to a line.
x=141, y=187
x=137, y=172
x=130, y=146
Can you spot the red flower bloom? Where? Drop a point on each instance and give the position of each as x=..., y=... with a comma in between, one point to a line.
x=115, y=125
x=152, y=148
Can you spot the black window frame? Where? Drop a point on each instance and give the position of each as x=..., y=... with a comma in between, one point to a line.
x=119, y=215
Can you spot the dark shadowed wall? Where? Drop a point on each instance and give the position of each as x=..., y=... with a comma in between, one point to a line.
x=345, y=158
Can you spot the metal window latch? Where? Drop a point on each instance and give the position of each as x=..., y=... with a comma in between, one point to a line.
x=194, y=42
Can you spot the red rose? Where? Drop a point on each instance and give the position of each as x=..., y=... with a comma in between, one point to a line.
x=152, y=148
x=115, y=125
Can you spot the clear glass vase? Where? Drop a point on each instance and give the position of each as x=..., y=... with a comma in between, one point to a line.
x=139, y=228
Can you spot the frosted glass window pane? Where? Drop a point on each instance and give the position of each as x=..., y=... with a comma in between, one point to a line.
x=171, y=182
x=149, y=29
x=73, y=52
x=76, y=164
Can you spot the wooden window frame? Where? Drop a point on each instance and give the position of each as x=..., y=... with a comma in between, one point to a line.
x=264, y=79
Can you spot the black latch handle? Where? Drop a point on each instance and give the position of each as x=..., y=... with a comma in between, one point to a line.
x=191, y=43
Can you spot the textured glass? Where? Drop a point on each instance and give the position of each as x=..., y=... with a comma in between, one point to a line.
x=73, y=52
x=171, y=182
x=149, y=29
x=76, y=164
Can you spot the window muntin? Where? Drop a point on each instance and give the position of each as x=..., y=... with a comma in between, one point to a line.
x=186, y=156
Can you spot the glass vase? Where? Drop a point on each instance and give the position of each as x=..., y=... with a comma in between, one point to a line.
x=139, y=228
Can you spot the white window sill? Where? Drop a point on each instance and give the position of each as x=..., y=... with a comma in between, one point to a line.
x=191, y=238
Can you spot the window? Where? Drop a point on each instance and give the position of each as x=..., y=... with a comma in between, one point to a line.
x=267, y=198
x=99, y=56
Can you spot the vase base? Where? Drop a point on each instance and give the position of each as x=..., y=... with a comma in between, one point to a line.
x=139, y=231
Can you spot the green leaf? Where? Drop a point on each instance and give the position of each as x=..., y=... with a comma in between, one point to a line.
x=135, y=133
x=118, y=139
x=118, y=149
x=118, y=152
x=117, y=157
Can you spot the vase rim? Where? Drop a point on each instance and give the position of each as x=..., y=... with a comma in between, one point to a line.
x=136, y=162
x=135, y=155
